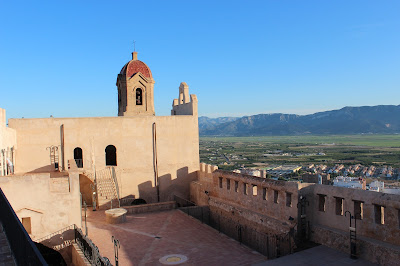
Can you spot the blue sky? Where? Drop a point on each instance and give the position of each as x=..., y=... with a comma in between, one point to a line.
x=62, y=58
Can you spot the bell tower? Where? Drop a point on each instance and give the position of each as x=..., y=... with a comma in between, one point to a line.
x=135, y=89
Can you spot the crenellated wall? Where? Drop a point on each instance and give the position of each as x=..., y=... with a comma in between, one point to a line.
x=268, y=205
x=378, y=230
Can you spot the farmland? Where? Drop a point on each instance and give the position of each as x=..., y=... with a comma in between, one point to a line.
x=264, y=152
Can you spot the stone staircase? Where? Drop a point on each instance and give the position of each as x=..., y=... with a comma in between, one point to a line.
x=107, y=188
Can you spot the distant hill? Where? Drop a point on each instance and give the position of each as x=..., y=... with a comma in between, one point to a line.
x=206, y=123
x=381, y=119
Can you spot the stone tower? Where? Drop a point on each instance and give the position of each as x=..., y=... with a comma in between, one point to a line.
x=135, y=89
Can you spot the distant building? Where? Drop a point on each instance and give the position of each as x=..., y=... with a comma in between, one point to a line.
x=350, y=182
x=321, y=178
x=284, y=170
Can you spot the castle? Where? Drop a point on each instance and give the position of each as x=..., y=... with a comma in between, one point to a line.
x=133, y=155
x=50, y=166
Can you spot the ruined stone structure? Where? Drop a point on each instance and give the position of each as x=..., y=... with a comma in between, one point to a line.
x=273, y=206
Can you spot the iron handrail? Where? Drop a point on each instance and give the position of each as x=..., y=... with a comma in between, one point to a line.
x=24, y=250
x=69, y=227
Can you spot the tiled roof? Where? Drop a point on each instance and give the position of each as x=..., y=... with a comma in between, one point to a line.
x=135, y=66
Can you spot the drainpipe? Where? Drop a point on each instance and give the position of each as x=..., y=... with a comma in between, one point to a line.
x=155, y=166
x=62, y=147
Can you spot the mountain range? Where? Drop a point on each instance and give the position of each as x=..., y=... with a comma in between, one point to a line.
x=380, y=119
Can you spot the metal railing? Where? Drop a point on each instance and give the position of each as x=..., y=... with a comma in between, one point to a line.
x=59, y=239
x=270, y=245
x=90, y=250
x=24, y=250
x=72, y=234
x=181, y=202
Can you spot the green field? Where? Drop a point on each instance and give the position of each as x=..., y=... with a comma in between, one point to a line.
x=352, y=140
x=235, y=152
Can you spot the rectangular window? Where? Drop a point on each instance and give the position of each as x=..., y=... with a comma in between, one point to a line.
x=288, y=199
x=379, y=214
x=244, y=188
x=321, y=202
x=358, y=209
x=339, y=206
x=254, y=190
x=276, y=196
x=236, y=186
x=398, y=215
x=220, y=182
x=264, y=193
x=228, y=184
x=26, y=222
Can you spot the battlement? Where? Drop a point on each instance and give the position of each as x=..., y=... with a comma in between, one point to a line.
x=208, y=168
x=268, y=205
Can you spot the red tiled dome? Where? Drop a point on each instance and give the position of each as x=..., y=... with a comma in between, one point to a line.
x=135, y=66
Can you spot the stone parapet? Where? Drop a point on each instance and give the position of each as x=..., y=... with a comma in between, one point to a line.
x=153, y=207
x=369, y=249
x=378, y=214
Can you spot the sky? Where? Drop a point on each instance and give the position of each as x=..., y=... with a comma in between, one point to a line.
x=61, y=58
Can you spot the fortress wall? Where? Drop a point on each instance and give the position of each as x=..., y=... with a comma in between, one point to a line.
x=51, y=203
x=276, y=199
x=203, y=184
x=177, y=145
x=378, y=239
x=370, y=225
x=251, y=200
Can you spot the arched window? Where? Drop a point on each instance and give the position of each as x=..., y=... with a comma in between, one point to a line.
x=111, y=155
x=139, y=96
x=78, y=156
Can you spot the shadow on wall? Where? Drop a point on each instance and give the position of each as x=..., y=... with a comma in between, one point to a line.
x=86, y=189
x=180, y=186
x=44, y=169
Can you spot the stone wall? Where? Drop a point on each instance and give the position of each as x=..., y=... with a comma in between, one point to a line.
x=154, y=207
x=264, y=204
x=384, y=227
x=8, y=144
x=168, y=144
x=183, y=105
x=375, y=251
x=51, y=203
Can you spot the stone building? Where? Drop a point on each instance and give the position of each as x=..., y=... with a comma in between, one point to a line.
x=135, y=154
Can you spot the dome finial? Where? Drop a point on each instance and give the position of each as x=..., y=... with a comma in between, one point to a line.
x=134, y=54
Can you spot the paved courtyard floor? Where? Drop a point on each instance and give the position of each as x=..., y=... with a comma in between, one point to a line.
x=146, y=238
x=320, y=255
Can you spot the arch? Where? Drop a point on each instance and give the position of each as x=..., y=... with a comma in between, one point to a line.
x=139, y=96
x=111, y=155
x=78, y=157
